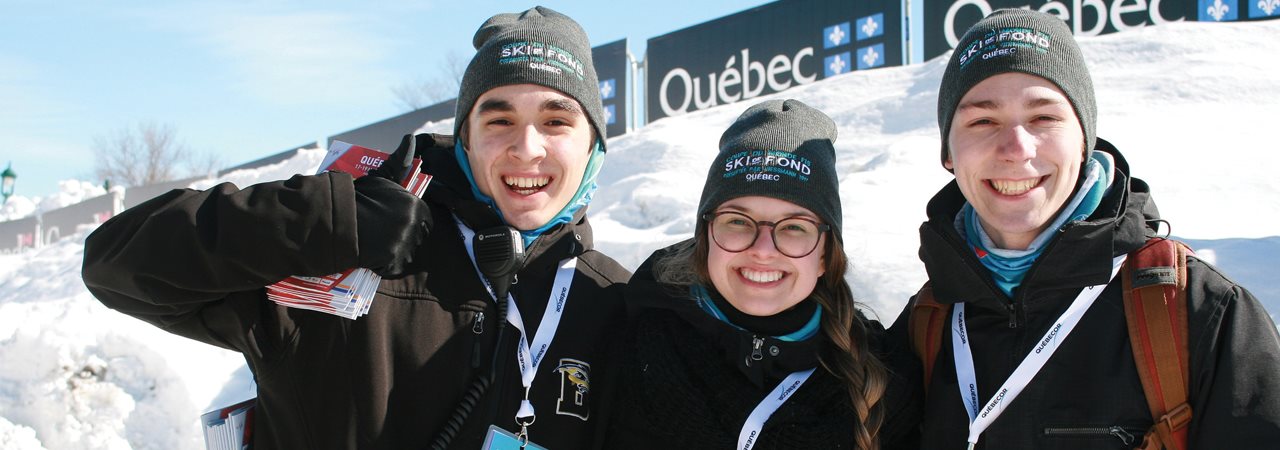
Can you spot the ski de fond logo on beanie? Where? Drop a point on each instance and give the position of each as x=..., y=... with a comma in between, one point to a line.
x=538, y=46
x=1017, y=40
x=782, y=149
x=1004, y=42
x=542, y=56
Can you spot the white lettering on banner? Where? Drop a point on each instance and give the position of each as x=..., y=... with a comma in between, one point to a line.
x=371, y=162
x=1114, y=16
x=736, y=82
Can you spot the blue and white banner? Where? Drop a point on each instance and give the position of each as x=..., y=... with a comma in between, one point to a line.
x=612, y=67
x=1264, y=9
x=945, y=21
x=768, y=49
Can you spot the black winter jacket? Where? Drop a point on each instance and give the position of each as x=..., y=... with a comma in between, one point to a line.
x=195, y=264
x=1088, y=395
x=688, y=381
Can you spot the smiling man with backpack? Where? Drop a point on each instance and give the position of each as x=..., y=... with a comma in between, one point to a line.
x=1054, y=316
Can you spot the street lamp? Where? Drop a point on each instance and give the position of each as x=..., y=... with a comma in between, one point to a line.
x=7, y=178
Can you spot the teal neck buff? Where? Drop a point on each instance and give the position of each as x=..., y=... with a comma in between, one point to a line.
x=708, y=305
x=580, y=198
x=1009, y=267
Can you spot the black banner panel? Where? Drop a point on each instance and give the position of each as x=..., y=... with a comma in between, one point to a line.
x=612, y=67
x=945, y=21
x=768, y=49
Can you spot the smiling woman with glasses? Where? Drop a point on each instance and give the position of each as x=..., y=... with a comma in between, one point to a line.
x=748, y=336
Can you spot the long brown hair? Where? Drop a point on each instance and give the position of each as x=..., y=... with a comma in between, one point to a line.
x=849, y=357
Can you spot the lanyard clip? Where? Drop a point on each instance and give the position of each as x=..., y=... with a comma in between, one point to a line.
x=525, y=417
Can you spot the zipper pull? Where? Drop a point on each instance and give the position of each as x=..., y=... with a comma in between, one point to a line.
x=1124, y=436
x=756, y=344
x=1013, y=315
x=477, y=327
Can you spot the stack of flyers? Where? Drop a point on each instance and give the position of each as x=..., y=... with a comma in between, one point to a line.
x=229, y=428
x=348, y=293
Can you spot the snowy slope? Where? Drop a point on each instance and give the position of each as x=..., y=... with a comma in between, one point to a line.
x=1193, y=107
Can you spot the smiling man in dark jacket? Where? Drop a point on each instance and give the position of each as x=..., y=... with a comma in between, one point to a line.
x=437, y=361
x=1013, y=245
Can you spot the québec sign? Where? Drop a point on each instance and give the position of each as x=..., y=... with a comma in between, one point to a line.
x=767, y=49
x=946, y=22
x=736, y=82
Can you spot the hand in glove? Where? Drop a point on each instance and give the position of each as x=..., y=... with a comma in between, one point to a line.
x=390, y=222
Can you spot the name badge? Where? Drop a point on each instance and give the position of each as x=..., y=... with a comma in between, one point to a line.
x=500, y=439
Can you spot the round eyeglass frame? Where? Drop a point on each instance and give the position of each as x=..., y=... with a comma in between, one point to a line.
x=773, y=229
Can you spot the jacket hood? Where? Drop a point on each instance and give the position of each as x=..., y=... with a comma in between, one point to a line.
x=1080, y=255
x=777, y=358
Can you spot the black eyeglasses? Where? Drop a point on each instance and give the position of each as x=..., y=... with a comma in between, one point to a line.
x=795, y=236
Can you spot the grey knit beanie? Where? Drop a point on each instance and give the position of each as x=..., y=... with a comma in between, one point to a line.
x=539, y=46
x=1018, y=40
x=781, y=149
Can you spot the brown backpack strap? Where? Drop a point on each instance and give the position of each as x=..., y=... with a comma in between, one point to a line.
x=1155, y=306
x=928, y=320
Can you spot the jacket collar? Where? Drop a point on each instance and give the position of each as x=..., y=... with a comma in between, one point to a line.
x=1080, y=255
x=777, y=358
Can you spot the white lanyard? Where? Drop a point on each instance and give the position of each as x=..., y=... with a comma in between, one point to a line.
x=1030, y=366
x=755, y=422
x=529, y=360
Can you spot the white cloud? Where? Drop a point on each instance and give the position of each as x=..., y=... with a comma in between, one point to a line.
x=291, y=57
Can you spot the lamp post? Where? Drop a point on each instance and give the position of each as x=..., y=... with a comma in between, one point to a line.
x=7, y=178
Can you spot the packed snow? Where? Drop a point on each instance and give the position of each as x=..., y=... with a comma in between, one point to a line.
x=1193, y=107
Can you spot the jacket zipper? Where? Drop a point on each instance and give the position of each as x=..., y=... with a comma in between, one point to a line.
x=1015, y=304
x=477, y=327
x=1012, y=307
x=757, y=343
x=1120, y=433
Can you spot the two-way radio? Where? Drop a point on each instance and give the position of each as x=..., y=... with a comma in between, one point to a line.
x=499, y=255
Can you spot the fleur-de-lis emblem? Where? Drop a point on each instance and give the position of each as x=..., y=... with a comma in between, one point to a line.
x=836, y=36
x=870, y=57
x=1218, y=10
x=869, y=27
x=837, y=65
x=1268, y=6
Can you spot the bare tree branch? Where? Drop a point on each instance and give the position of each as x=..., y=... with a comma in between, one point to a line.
x=147, y=154
x=421, y=92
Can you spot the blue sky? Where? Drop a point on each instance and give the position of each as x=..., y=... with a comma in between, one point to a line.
x=244, y=79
